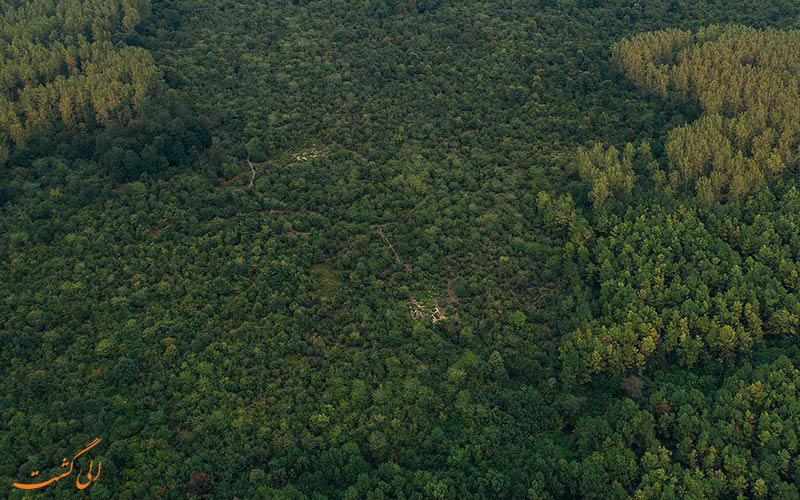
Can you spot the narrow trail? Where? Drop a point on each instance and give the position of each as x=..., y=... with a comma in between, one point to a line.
x=397, y=258
x=253, y=171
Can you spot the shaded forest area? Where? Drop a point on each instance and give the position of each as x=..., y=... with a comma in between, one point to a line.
x=401, y=249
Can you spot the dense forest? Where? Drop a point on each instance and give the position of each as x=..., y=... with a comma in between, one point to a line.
x=404, y=249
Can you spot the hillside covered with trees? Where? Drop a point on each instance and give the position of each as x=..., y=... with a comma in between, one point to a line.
x=400, y=248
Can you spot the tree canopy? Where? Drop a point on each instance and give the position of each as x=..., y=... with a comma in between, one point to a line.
x=400, y=249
